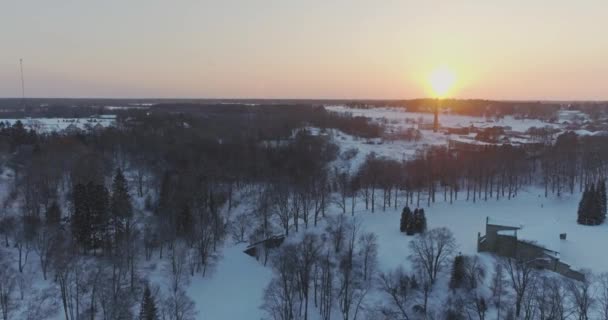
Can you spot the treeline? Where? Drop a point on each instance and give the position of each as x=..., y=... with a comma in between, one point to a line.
x=572, y=164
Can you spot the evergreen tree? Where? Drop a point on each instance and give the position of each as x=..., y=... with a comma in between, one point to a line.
x=410, y=227
x=592, y=207
x=81, y=226
x=582, y=207
x=53, y=214
x=422, y=221
x=458, y=272
x=406, y=217
x=148, y=306
x=98, y=199
x=120, y=205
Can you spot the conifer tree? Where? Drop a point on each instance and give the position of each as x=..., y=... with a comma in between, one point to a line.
x=582, y=207
x=148, y=306
x=406, y=217
x=80, y=220
x=98, y=200
x=422, y=222
x=120, y=206
x=410, y=227
x=458, y=272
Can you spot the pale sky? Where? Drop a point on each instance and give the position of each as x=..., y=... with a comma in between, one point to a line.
x=516, y=49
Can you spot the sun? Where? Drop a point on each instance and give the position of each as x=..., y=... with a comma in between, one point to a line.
x=441, y=81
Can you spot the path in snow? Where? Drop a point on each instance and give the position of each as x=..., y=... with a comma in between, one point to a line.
x=235, y=288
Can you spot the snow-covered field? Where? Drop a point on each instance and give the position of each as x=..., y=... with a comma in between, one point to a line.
x=47, y=125
x=403, y=118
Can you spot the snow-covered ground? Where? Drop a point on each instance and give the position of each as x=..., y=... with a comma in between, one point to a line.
x=405, y=119
x=544, y=217
x=242, y=279
x=237, y=278
x=47, y=125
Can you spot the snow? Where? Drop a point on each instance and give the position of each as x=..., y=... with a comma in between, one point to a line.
x=503, y=222
x=545, y=235
x=511, y=233
x=398, y=119
x=544, y=218
x=406, y=119
x=48, y=125
x=238, y=278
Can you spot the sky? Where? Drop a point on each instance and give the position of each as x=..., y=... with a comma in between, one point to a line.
x=341, y=49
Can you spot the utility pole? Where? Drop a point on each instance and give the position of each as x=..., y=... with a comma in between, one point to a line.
x=22, y=84
x=436, y=122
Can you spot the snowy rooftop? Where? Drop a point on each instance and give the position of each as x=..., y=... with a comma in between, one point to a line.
x=546, y=235
x=504, y=222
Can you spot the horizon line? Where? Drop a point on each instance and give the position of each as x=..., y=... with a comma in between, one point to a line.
x=545, y=100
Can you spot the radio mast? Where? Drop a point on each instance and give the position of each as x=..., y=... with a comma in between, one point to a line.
x=22, y=84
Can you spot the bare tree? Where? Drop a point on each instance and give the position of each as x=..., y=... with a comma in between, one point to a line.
x=550, y=299
x=179, y=306
x=431, y=251
x=521, y=273
x=240, y=226
x=308, y=251
x=8, y=282
x=352, y=288
x=326, y=284
x=498, y=288
x=396, y=285
x=44, y=246
x=603, y=295
x=474, y=273
x=280, y=297
x=581, y=296
x=368, y=251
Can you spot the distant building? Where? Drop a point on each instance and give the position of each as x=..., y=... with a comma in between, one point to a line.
x=540, y=247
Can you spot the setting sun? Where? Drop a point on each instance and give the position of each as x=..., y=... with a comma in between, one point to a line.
x=441, y=81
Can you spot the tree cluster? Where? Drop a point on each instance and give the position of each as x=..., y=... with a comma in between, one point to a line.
x=412, y=222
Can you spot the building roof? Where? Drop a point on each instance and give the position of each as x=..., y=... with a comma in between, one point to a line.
x=503, y=222
x=545, y=236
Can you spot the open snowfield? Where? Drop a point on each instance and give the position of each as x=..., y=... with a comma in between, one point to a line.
x=400, y=117
x=546, y=217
